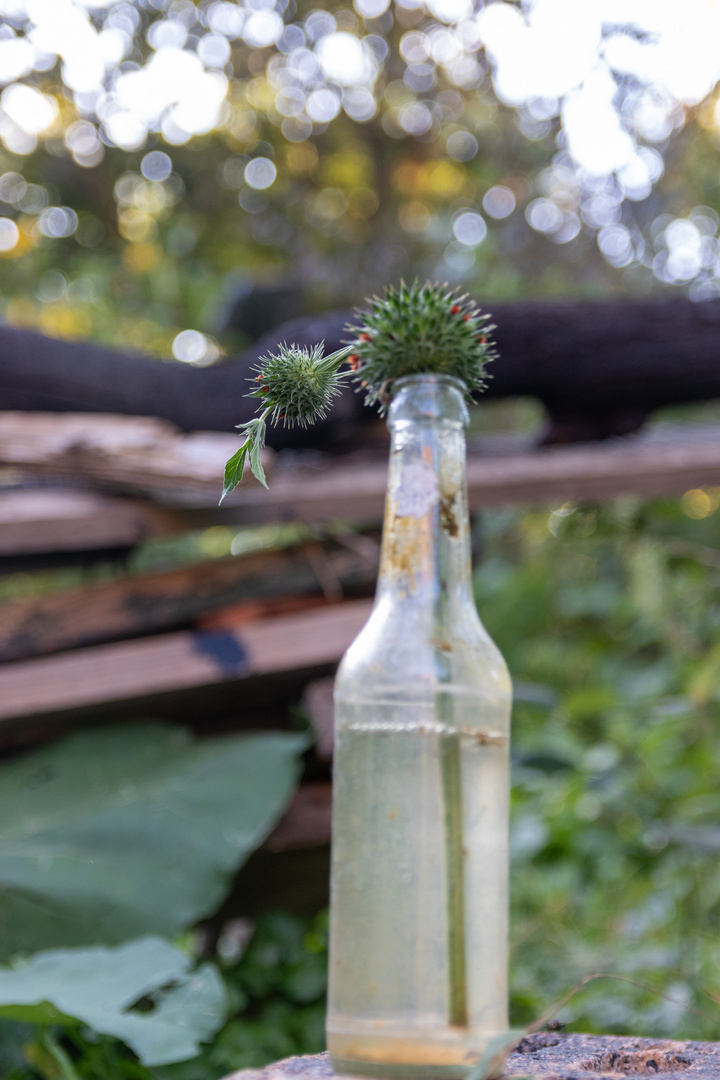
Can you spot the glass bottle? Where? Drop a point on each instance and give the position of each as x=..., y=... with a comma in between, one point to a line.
x=418, y=926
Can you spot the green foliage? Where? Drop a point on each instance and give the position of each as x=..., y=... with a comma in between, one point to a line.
x=609, y=619
x=111, y=830
x=419, y=330
x=113, y=833
x=98, y=987
x=277, y=999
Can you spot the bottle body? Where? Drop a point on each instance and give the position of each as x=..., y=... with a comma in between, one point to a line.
x=418, y=940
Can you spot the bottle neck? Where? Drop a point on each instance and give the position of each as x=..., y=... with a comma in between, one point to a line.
x=425, y=557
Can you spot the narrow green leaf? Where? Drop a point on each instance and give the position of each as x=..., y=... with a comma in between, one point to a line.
x=256, y=440
x=492, y=1062
x=256, y=463
x=234, y=470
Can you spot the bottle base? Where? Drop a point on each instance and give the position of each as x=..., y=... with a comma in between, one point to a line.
x=378, y=1070
x=407, y=1055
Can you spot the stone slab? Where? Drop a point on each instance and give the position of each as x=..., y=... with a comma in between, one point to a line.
x=553, y=1056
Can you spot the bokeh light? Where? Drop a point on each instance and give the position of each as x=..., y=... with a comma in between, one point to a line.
x=9, y=234
x=192, y=347
x=469, y=228
x=156, y=166
x=699, y=503
x=57, y=221
x=260, y=173
x=499, y=201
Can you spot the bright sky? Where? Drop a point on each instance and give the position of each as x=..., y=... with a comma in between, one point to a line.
x=612, y=69
x=617, y=73
x=550, y=58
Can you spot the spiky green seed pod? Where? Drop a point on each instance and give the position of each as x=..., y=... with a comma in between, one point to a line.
x=419, y=330
x=297, y=384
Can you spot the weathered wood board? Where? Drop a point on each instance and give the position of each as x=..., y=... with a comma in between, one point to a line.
x=662, y=461
x=146, y=669
x=40, y=521
x=145, y=603
x=136, y=454
x=306, y=822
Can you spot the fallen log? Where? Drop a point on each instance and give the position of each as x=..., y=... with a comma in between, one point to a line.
x=42, y=374
x=598, y=368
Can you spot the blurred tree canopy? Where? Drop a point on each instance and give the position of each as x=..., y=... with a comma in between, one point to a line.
x=158, y=156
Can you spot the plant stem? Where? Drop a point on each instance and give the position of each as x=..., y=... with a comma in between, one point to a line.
x=59, y=1056
x=451, y=788
x=454, y=878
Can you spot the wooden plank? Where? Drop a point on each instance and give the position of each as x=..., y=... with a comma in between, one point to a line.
x=664, y=461
x=151, y=667
x=39, y=521
x=306, y=822
x=135, y=454
x=142, y=603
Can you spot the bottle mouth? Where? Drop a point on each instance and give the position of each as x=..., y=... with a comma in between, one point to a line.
x=431, y=397
x=430, y=377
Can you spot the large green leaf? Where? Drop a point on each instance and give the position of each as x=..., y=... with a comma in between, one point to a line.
x=99, y=986
x=126, y=831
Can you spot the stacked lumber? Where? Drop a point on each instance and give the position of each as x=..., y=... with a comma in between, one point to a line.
x=179, y=477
